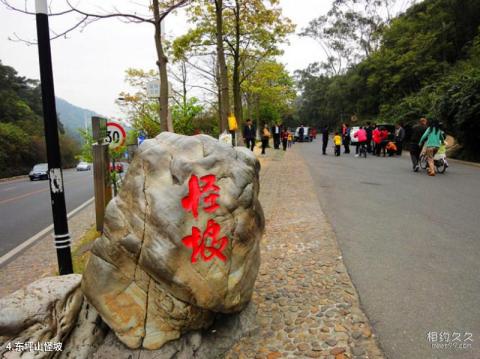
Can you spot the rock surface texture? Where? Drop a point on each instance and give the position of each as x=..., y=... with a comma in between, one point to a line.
x=50, y=318
x=181, y=240
x=43, y=312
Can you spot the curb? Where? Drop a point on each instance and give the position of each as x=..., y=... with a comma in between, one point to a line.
x=8, y=179
x=466, y=163
x=9, y=256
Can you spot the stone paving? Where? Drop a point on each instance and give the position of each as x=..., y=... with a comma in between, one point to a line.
x=307, y=304
x=40, y=260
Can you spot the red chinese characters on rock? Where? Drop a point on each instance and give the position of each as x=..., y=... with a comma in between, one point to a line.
x=195, y=192
x=198, y=243
x=207, y=245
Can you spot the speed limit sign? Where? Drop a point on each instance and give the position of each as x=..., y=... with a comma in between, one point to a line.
x=116, y=135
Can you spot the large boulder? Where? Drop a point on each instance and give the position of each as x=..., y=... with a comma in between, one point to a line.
x=181, y=240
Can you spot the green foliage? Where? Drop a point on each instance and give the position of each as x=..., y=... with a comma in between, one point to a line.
x=458, y=105
x=270, y=92
x=183, y=116
x=15, y=150
x=86, y=153
x=22, y=142
x=142, y=112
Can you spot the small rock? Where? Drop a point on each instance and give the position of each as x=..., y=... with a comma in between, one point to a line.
x=330, y=313
x=303, y=347
x=332, y=342
x=356, y=334
x=339, y=328
x=337, y=350
x=274, y=355
x=367, y=333
x=290, y=347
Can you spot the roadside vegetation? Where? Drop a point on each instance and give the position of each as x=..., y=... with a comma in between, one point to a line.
x=425, y=62
x=22, y=141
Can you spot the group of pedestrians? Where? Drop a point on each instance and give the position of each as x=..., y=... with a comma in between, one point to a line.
x=373, y=139
x=378, y=140
x=280, y=134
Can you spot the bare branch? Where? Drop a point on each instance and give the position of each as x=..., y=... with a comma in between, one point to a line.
x=25, y=11
x=114, y=15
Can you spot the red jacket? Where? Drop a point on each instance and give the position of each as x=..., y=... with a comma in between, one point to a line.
x=361, y=134
x=376, y=136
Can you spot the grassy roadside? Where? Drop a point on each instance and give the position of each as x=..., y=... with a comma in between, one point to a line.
x=81, y=250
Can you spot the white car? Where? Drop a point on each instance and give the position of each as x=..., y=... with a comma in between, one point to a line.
x=306, y=134
x=83, y=166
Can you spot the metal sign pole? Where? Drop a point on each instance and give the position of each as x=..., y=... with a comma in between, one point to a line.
x=60, y=223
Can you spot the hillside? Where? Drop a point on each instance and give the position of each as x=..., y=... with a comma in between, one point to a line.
x=22, y=142
x=73, y=117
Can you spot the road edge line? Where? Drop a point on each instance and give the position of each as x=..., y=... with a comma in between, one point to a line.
x=29, y=242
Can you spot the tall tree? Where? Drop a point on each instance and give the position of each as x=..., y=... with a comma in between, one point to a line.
x=158, y=11
x=350, y=31
x=252, y=31
x=224, y=103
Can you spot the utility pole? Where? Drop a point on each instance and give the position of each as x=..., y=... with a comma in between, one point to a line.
x=55, y=175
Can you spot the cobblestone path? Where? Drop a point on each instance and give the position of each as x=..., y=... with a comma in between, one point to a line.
x=307, y=305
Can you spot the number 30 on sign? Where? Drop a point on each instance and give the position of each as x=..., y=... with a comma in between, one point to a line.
x=116, y=135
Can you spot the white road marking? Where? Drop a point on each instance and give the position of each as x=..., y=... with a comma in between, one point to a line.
x=8, y=189
x=15, y=251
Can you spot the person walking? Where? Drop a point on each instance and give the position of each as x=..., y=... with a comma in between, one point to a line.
x=265, y=138
x=361, y=136
x=399, y=138
x=337, y=140
x=276, y=132
x=369, y=130
x=284, y=137
x=324, y=140
x=377, y=140
x=346, y=139
x=383, y=140
x=301, y=133
x=434, y=138
x=415, y=149
x=249, y=133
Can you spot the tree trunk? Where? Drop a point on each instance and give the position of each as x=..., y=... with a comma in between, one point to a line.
x=223, y=71
x=165, y=120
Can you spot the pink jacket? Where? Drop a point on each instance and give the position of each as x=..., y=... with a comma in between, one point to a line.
x=361, y=134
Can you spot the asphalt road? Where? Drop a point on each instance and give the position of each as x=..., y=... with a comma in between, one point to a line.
x=25, y=207
x=411, y=244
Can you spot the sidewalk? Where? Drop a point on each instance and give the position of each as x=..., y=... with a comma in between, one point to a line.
x=40, y=260
x=307, y=305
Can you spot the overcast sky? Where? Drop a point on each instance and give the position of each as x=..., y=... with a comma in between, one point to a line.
x=89, y=66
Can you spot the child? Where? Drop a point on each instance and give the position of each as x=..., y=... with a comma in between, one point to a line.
x=391, y=148
x=337, y=140
x=290, y=139
x=284, y=138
